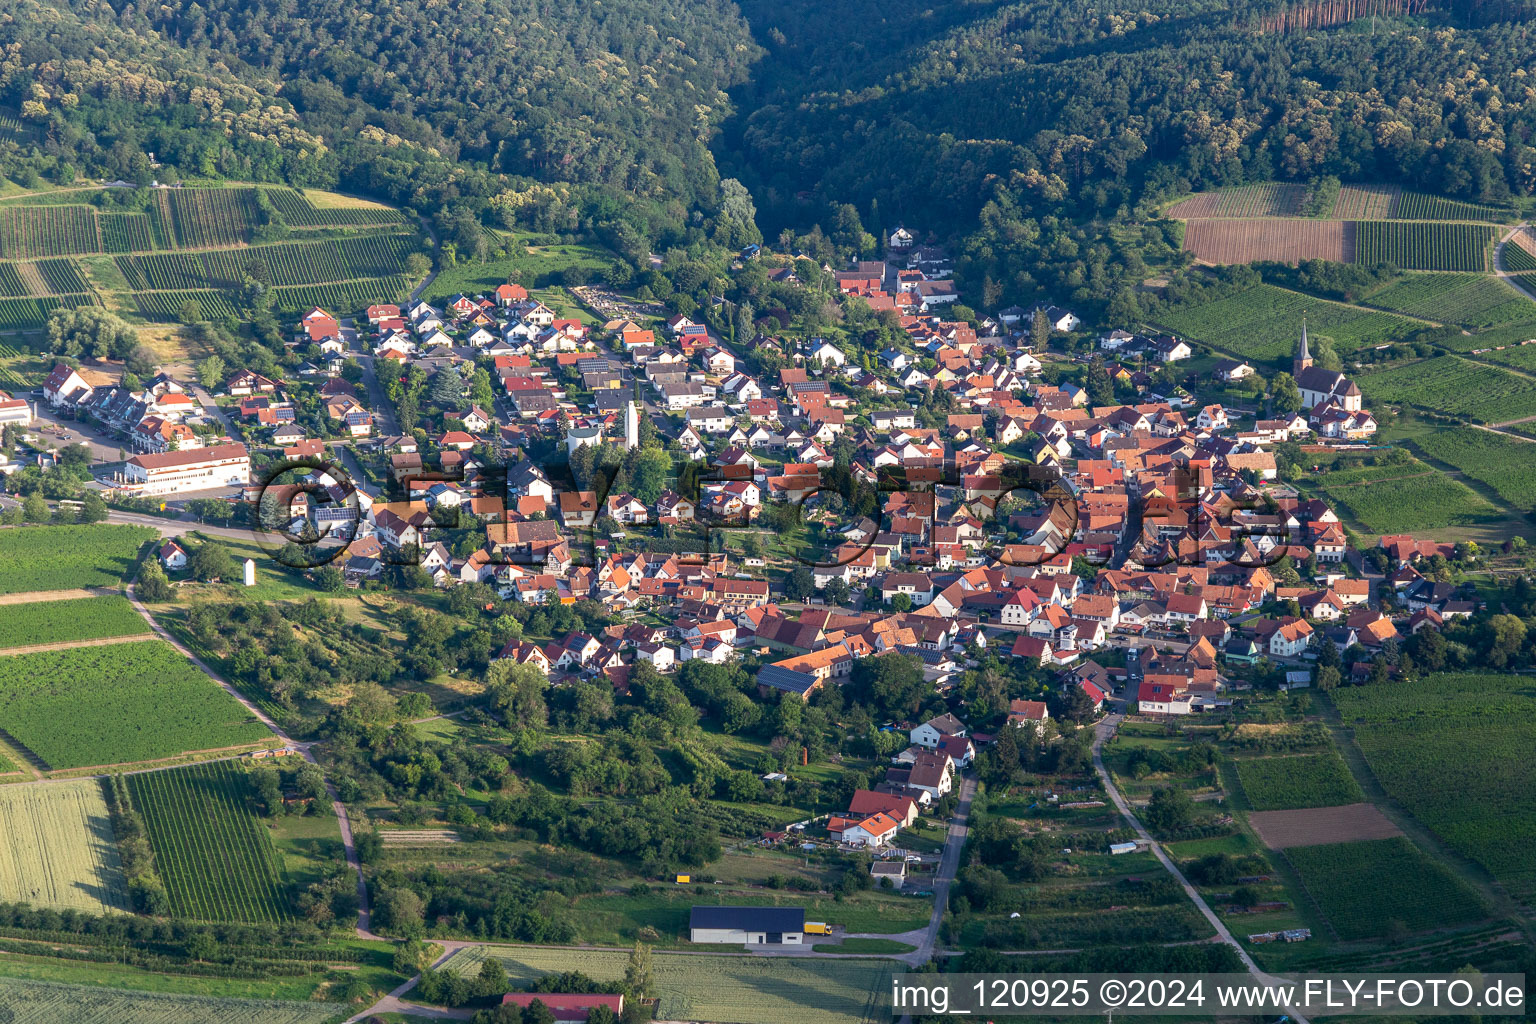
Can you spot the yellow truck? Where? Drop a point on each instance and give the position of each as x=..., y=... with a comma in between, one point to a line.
x=817, y=928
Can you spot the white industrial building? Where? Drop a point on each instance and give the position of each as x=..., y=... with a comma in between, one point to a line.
x=201, y=469
x=766, y=926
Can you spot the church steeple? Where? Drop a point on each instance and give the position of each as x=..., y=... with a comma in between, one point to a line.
x=1303, y=354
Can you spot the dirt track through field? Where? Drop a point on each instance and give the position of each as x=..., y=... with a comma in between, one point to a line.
x=39, y=596
x=64, y=645
x=1314, y=826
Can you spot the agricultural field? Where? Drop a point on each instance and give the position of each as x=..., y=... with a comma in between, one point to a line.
x=1369, y=889
x=118, y=704
x=778, y=990
x=46, y=1002
x=1519, y=356
x=1450, y=384
x=34, y=312
x=85, y=618
x=27, y=232
x=1428, y=501
x=205, y=217
x=1520, y=251
x=1367, y=202
x=297, y=263
x=539, y=267
x=1418, y=246
x=212, y=851
x=1319, y=826
x=57, y=848
x=64, y=557
x=343, y=297
x=1422, y=206
x=1504, y=464
x=1244, y=241
x=165, y=307
x=1300, y=780
x=11, y=284
x=1264, y=322
x=1454, y=749
x=1470, y=300
x=300, y=212
x=1272, y=199
x=62, y=276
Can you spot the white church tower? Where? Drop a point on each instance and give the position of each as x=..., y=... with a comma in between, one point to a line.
x=631, y=425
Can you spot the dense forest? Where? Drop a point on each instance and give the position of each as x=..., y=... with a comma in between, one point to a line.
x=1040, y=135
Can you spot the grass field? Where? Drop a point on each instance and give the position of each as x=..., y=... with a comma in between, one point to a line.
x=65, y=557
x=210, y=848
x=1368, y=890
x=42, y=1002
x=1470, y=300
x=86, y=618
x=1504, y=464
x=1454, y=385
x=1303, y=780
x=1264, y=322
x=1425, y=502
x=612, y=918
x=116, y=705
x=726, y=990
x=1455, y=749
x=57, y=848
x=542, y=266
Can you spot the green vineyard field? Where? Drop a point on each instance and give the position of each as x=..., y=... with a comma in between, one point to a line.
x=345, y=297
x=301, y=263
x=1504, y=464
x=1413, y=246
x=1470, y=300
x=64, y=557
x=1420, y=206
x=1455, y=750
x=211, y=850
x=87, y=706
x=84, y=618
x=1450, y=384
x=1367, y=889
x=62, y=276
x=166, y=306
x=1429, y=501
x=46, y=1002
x=1301, y=780
x=1264, y=322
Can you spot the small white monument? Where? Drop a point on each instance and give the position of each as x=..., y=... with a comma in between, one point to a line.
x=250, y=572
x=632, y=425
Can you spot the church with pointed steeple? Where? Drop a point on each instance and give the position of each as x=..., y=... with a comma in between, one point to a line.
x=1334, y=402
x=1303, y=361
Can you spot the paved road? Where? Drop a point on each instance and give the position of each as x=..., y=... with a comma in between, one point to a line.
x=949, y=864
x=180, y=527
x=1101, y=733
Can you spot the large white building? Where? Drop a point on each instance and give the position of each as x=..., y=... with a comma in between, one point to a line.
x=768, y=926
x=201, y=469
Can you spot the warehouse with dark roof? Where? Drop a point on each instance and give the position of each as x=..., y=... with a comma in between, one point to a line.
x=770, y=926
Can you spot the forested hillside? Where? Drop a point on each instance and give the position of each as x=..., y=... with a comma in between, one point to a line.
x=1043, y=135
x=1020, y=113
